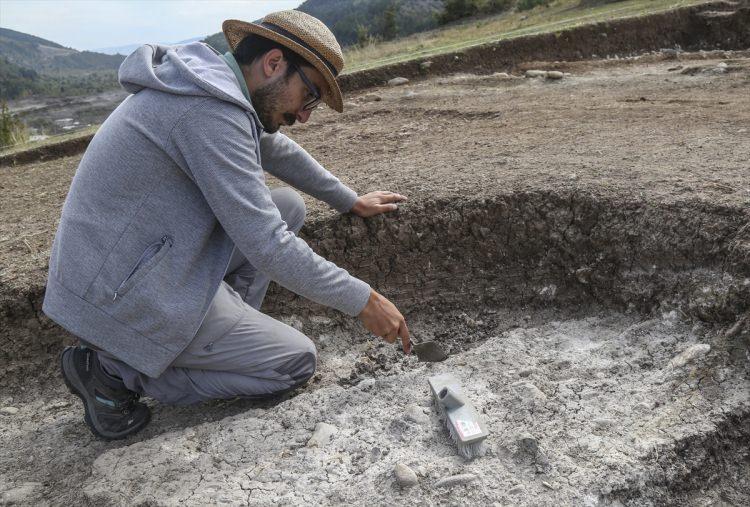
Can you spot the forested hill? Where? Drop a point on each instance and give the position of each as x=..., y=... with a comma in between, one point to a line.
x=30, y=65
x=45, y=56
x=354, y=21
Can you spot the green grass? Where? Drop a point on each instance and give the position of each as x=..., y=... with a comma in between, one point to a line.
x=559, y=15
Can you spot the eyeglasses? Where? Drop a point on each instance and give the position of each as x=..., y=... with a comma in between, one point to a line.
x=311, y=88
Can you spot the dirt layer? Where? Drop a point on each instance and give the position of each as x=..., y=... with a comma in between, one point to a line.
x=567, y=241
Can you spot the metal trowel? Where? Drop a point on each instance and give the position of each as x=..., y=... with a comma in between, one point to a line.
x=429, y=351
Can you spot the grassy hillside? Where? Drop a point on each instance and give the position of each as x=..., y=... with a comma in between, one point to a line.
x=558, y=15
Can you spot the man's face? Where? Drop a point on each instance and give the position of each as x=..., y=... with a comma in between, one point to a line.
x=280, y=101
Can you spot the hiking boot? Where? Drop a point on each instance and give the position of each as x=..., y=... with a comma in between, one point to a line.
x=112, y=410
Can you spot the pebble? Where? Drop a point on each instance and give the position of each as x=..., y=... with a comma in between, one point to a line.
x=604, y=422
x=502, y=75
x=372, y=97
x=455, y=480
x=425, y=65
x=517, y=490
x=690, y=354
x=56, y=405
x=21, y=494
x=405, y=476
x=398, y=81
x=416, y=414
x=527, y=444
x=536, y=73
x=554, y=74
x=322, y=435
x=8, y=410
x=528, y=391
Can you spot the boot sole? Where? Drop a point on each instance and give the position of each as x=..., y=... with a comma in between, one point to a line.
x=76, y=387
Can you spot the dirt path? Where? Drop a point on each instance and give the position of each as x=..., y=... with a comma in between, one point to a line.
x=661, y=141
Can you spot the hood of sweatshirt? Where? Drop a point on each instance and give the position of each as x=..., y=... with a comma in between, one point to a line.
x=191, y=69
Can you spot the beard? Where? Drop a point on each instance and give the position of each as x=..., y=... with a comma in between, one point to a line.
x=268, y=100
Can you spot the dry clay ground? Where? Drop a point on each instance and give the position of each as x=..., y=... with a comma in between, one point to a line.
x=577, y=400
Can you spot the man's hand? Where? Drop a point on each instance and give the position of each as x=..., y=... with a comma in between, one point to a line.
x=382, y=318
x=376, y=203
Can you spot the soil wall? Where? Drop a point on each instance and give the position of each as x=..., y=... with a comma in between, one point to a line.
x=523, y=249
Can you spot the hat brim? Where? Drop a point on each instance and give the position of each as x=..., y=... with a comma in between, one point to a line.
x=236, y=30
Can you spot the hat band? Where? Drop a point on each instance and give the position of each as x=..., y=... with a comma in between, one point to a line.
x=290, y=35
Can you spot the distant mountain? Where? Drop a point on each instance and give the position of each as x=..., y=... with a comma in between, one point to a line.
x=30, y=65
x=350, y=20
x=129, y=48
x=47, y=57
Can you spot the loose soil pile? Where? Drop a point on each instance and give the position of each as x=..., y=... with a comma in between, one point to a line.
x=581, y=248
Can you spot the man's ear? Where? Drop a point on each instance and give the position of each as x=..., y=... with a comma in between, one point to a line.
x=273, y=63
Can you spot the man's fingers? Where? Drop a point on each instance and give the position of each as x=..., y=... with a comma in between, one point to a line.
x=403, y=332
x=391, y=197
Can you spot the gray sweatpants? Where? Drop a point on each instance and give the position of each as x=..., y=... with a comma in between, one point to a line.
x=237, y=351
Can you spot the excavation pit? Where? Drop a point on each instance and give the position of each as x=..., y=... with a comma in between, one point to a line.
x=597, y=341
x=580, y=248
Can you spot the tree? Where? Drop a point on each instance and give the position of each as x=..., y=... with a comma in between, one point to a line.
x=390, y=29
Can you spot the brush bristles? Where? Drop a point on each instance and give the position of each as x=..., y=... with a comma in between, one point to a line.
x=472, y=450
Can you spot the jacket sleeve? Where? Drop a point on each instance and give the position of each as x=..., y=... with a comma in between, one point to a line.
x=215, y=143
x=289, y=162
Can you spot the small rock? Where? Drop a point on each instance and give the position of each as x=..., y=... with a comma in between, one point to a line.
x=689, y=355
x=455, y=480
x=56, y=405
x=410, y=95
x=8, y=410
x=604, y=422
x=405, y=476
x=554, y=74
x=722, y=65
x=536, y=73
x=517, y=490
x=527, y=444
x=398, y=81
x=425, y=65
x=416, y=414
x=22, y=494
x=548, y=485
x=502, y=75
x=322, y=435
x=349, y=104
x=321, y=319
x=526, y=372
x=528, y=391
x=372, y=97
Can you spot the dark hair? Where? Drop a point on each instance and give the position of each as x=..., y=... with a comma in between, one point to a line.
x=254, y=46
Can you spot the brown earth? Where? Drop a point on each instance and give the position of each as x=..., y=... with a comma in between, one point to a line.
x=711, y=25
x=625, y=186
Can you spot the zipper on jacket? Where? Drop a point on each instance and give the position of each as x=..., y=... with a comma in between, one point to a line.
x=150, y=251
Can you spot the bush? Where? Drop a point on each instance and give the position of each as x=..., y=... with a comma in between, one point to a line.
x=525, y=5
x=12, y=130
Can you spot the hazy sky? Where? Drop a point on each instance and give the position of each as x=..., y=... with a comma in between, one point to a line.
x=92, y=24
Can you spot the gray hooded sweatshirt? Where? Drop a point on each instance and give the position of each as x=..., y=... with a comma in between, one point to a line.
x=171, y=182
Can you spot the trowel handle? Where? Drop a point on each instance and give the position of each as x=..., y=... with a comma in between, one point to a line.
x=451, y=399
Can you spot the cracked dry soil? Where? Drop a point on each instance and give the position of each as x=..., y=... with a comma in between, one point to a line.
x=580, y=248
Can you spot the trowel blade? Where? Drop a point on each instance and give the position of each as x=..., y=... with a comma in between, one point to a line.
x=429, y=352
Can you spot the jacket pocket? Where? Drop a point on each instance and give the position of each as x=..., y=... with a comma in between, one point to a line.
x=148, y=259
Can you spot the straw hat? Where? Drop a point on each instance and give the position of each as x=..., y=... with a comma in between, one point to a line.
x=305, y=35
